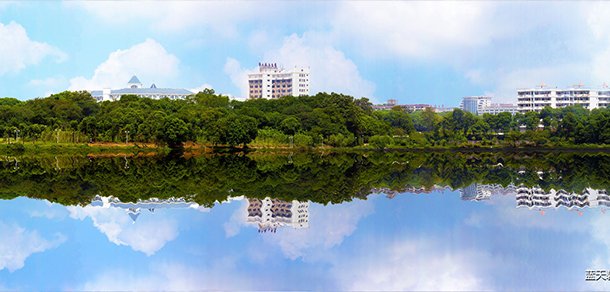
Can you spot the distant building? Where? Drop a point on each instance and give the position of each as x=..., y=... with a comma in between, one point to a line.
x=535, y=99
x=134, y=87
x=444, y=109
x=411, y=107
x=392, y=102
x=273, y=82
x=496, y=108
x=475, y=104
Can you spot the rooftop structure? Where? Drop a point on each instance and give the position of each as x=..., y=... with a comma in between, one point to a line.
x=134, y=87
x=273, y=82
x=540, y=96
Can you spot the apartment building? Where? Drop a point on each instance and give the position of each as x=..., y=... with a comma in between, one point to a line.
x=273, y=82
x=535, y=99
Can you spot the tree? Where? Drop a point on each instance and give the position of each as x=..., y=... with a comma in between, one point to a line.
x=290, y=125
x=426, y=120
x=240, y=130
x=513, y=138
x=174, y=131
x=207, y=98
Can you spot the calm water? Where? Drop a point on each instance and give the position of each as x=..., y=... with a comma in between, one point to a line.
x=400, y=221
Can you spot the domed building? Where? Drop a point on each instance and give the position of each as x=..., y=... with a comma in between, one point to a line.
x=134, y=87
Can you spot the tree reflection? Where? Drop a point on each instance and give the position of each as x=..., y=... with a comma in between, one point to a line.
x=306, y=177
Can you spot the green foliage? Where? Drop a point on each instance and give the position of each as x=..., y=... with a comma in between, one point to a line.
x=301, y=140
x=340, y=140
x=331, y=118
x=381, y=141
x=173, y=132
x=332, y=178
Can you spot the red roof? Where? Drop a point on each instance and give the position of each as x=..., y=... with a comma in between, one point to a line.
x=542, y=84
x=580, y=83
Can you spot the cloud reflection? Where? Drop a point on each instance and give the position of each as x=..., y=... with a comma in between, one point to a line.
x=148, y=236
x=17, y=244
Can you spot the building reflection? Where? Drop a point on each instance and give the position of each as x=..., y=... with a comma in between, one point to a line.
x=134, y=209
x=535, y=198
x=482, y=192
x=270, y=214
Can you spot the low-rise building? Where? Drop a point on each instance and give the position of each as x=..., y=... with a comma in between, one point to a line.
x=134, y=87
x=496, y=108
x=538, y=97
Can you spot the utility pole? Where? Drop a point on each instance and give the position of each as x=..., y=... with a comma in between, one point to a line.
x=127, y=137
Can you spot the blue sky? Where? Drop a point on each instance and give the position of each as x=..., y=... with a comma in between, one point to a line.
x=415, y=52
x=411, y=242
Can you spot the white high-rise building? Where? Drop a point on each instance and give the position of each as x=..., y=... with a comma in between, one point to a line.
x=535, y=99
x=475, y=104
x=273, y=82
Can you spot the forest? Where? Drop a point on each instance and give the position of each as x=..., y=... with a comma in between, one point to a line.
x=323, y=119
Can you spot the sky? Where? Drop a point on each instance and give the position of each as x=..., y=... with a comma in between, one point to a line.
x=432, y=52
x=425, y=242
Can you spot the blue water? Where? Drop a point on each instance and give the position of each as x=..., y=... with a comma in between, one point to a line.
x=432, y=241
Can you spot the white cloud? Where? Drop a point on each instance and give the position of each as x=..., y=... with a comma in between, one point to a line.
x=221, y=275
x=52, y=211
x=17, y=50
x=201, y=88
x=146, y=235
x=59, y=81
x=239, y=76
x=220, y=16
x=417, y=29
x=237, y=220
x=165, y=277
x=17, y=244
x=412, y=265
x=330, y=69
x=149, y=60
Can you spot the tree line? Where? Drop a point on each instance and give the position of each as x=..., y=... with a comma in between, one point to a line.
x=323, y=119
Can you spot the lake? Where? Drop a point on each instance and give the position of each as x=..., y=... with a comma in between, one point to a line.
x=306, y=221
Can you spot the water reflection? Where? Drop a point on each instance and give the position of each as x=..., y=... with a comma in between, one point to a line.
x=269, y=214
x=536, y=198
x=134, y=208
x=330, y=222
